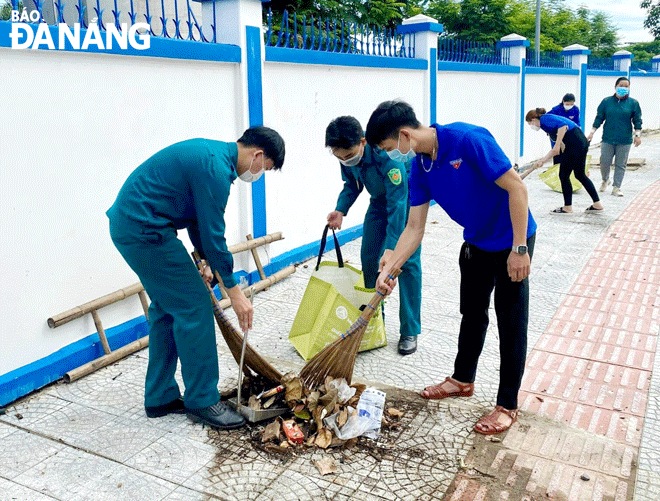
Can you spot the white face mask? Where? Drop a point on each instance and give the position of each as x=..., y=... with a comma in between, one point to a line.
x=535, y=127
x=248, y=176
x=568, y=107
x=397, y=156
x=353, y=161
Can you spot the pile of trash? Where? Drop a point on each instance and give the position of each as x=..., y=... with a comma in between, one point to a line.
x=334, y=414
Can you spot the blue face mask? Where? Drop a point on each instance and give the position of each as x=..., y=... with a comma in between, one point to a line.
x=397, y=156
x=622, y=91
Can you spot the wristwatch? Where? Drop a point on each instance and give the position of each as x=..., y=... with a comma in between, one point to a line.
x=520, y=249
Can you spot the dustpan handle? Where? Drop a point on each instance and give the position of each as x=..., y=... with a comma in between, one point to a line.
x=340, y=259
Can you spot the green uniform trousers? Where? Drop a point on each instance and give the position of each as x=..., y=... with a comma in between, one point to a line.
x=180, y=316
x=410, y=280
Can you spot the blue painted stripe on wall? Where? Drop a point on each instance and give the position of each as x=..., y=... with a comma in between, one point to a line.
x=523, y=71
x=159, y=47
x=606, y=73
x=533, y=70
x=583, y=94
x=24, y=380
x=433, y=56
x=477, y=67
x=647, y=74
x=256, y=117
x=299, y=56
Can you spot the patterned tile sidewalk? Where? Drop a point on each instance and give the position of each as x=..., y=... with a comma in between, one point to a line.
x=590, y=402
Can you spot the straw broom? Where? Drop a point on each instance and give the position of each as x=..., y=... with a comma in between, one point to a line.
x=338, y=358
x=253, y=362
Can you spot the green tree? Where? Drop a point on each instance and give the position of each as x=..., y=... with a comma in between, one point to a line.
x=652, y=21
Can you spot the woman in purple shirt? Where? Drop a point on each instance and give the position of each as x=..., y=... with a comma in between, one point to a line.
x=565, y=133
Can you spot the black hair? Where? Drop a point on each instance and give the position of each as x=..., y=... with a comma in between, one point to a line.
x=568, y=97
x=268, y=140
x=387, y=119
x=621, y=79
x=343, y=132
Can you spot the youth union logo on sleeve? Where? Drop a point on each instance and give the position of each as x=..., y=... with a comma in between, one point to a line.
x=61, y=36
x=456, y=163
x=395, y=176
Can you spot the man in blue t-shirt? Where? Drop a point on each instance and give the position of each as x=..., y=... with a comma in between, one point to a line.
x=464, y=170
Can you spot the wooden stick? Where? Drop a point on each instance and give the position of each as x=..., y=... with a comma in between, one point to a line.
x=257, y=261
x=101, y=331
x=251, y=244
x=81, y=310
x=145, y=303
x=100, y=362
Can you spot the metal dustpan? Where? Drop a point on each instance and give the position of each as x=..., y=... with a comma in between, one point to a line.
x=252, y=415
x=256, y=415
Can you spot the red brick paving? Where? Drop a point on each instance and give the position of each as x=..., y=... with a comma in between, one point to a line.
x=590, y=370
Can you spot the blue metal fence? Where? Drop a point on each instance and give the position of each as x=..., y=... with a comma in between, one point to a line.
x=331, y=35
x=646, y=66
x=600, y=63
x=547, y=59
x=466, y=51
x=175, y=19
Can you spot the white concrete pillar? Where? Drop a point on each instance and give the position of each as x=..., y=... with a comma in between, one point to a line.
x=426, y=30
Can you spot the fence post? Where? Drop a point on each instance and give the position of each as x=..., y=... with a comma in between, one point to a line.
x=576, y=57
x=655, y=64
x=515, y=47
x=426, y=31
x=238, y=22
x=622, y=60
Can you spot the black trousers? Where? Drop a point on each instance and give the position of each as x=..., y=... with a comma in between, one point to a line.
x=481, y=272
x=573, y=160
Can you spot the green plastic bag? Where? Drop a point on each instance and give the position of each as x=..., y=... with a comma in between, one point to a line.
x=331, y=304
x=551, y=177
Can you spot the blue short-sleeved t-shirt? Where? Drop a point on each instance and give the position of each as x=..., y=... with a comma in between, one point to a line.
x=462, y=181
x=550, y=123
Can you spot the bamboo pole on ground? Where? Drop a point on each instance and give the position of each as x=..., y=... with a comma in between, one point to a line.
x=108, y=359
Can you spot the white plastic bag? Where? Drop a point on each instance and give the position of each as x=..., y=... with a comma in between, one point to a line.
x=370, y=407
x=354, y=426
x=344, y=392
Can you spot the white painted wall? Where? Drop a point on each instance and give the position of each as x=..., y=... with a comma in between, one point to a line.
x=489, y=100
x=81, y=124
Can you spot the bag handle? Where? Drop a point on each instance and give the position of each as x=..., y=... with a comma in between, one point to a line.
x=340, y=259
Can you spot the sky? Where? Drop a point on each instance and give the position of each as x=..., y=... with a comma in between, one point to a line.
x=626, y=15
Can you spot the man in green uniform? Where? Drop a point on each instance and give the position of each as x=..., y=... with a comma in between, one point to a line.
x=186, y=185
x=387, y=183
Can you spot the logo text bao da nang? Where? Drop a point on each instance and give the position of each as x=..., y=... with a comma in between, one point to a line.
x=35, y=36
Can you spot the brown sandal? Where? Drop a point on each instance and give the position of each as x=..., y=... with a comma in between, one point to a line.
x=437, y=391
x=491, y=424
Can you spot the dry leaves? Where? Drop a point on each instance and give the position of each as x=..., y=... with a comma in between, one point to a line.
x=272, y=432
x=323, y=438
x=326, y=466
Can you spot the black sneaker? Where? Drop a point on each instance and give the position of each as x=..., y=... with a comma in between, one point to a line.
x=174, y=407
x=407, y=345
x=217, y=416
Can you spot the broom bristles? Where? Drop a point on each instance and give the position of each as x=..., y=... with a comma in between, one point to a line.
x=338, y=358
